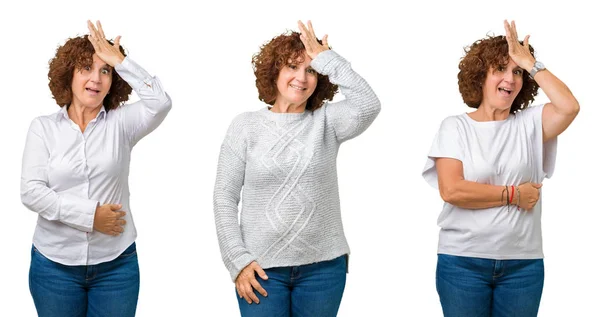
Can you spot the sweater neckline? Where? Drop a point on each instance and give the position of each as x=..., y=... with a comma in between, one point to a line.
x=284, y=116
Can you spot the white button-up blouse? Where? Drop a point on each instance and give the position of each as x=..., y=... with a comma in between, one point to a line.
x=67, y=173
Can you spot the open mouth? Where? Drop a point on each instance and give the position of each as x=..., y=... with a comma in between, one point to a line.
x=92, y=91
x=297, y=87
x=505, y=91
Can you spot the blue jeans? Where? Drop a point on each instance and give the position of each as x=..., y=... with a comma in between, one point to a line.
x=473, y=287
x=306, y=290
x=105, y=289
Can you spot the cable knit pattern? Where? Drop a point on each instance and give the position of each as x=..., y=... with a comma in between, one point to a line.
x=286, y=165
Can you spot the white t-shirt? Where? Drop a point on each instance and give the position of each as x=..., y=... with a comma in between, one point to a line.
x=508, y=152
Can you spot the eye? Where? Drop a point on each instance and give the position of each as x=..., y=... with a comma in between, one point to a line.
x=311, y=71
x=518, y=72
x=501, y=68
x=86, y=68
x=292, y=66
x=105, y=71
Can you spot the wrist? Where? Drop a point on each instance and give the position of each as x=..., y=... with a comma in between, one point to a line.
x=528, y=65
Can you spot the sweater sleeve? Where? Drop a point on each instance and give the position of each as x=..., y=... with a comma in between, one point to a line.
x=226, y=197
x=353, y=115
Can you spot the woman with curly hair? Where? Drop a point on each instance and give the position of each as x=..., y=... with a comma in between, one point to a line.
x=289, y=243
x=75, y=176
x=489, y=165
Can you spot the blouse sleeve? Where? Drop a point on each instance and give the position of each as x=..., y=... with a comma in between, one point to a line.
x=76, y=212
x=142, y=117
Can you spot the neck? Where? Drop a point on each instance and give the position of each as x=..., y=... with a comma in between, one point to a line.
x=286, y=107
x=487, y=113
x=82, y=115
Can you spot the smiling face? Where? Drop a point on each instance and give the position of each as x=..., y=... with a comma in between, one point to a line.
x=502, y=85
x=91, y=83
x=296, y=82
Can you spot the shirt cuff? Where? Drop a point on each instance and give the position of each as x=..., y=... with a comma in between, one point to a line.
x=326, y=61
x=134, y=74
x=78, y=212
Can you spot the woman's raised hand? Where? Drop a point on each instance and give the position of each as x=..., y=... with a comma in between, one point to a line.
x=107, y=52
x=309, y=39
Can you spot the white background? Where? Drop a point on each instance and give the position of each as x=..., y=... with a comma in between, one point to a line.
x=408, y=53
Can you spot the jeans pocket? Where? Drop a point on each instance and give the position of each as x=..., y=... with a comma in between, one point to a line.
x=35, y=251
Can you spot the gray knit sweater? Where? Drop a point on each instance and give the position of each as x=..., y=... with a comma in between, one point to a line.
x=286, y=165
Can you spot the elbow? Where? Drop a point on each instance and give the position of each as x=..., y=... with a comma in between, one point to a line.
x=167, y=104
x=449, y=194
x=575, y=108
x=376, y=106
x=27, y=197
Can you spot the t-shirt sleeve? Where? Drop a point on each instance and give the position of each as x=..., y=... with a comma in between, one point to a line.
x=545, y=152
x=448, y=144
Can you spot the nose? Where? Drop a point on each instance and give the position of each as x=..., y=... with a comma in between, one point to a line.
x=95, y=76
x=301, y=75
x=509, y=77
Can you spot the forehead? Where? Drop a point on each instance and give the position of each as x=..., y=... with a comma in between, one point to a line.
x=97, y=60
x=300, y=58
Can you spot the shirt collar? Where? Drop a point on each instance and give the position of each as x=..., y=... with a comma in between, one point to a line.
x=65, y=115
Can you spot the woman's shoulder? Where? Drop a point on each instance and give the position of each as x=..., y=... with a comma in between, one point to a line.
x=454, y=121
x=530, y=111
x=49, y=119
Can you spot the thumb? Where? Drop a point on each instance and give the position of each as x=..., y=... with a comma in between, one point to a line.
x=117, y=41
x=526, y=41
x=324, y=41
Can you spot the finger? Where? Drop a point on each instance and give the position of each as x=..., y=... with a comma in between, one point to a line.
x=258, y=287
x=538, y=186
x=526, y=42
x=121, y=222
x=119, y=214
x=253, y=296
x=118, y=229
x=115, y=207
x=514, y=29
x=100, y=30
x=260, y=272
x=324, y=40
x=507, y=28
x=311, y=30
x=302, y=28
x=249, y=294
x=117, y=41
x=91, y=28
x=237, y=288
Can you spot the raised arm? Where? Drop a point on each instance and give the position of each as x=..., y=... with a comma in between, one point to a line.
x=353, y=115
x=142, y=117
x=563, y=107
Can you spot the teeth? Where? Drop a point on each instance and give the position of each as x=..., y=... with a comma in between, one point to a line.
x=296, y=87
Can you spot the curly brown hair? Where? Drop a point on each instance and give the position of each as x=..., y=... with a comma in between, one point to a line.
x=486, y=53
x=75, y=54
x=275, y=55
